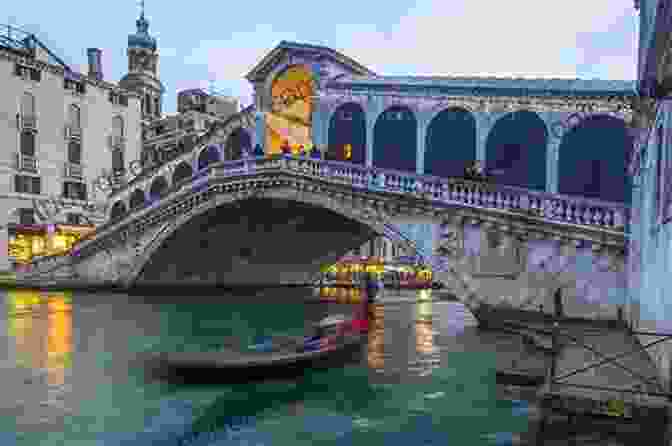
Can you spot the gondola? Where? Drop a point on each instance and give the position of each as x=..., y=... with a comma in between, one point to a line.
x=278, y=357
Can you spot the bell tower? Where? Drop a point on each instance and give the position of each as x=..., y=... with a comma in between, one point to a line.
x=143, y=69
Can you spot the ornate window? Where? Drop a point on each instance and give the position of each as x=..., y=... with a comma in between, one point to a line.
x=74, y=116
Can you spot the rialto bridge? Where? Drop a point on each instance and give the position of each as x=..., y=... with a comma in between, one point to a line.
x=392, y=151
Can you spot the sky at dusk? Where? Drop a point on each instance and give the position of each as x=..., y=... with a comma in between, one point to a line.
x=204, y=43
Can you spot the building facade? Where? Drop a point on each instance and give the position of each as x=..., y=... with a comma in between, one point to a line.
x=172, y=135
x=650, y=249
x=61, y=130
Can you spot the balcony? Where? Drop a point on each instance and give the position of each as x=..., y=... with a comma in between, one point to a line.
x=116, y=142
x=73, y=132
x=26, y=163
x=27, y=122
x=73, y=170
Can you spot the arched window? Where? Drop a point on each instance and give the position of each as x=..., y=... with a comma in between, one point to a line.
x=347, y=134
x=74, y=116
x=237, y=141
x=208, y=156
x=118, y=126
x=27, y=105
x=158, y=188
x=395, y=139
x=118, y=211
x=450, y=145
x=592, y=159
x=182, y=172
x=515, y=152
x=148, y=104
x=137, y=199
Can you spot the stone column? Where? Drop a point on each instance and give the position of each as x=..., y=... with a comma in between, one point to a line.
x=318, y=118
x=420, y=152
x=260, y=129
x=484, y=123
x=556, y=130
x=369, y=137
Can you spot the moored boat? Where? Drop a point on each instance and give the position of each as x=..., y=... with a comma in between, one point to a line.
x=278, y=357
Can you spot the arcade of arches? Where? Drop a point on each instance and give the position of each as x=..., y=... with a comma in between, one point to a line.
x=592, y=155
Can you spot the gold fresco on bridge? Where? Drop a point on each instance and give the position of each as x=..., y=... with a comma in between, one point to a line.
x=290, y=118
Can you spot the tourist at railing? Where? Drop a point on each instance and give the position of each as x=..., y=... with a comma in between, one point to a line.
x=475, y=172
x=315, y=153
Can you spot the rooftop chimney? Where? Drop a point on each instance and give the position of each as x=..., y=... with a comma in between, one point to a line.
x=95, y=66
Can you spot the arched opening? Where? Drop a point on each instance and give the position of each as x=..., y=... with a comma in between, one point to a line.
x=238, y=141
x=592, y=159
x=395, y=139
x=289, y=122
x=208, y=156
x=27, y=105
x=450, y=146
x=182, y=172
x=137, y=199
x=118, y=211
x=347, y=134
x=74, y=116
x=515, y=152
x=149, y=157
x=158, y=188
x=118, y=126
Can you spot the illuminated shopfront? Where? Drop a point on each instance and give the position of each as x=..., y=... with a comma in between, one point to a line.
x=27, y=242
x=41, y=326
x=289, y=121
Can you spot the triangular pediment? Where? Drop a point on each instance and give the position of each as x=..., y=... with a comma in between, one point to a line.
x=302, y=52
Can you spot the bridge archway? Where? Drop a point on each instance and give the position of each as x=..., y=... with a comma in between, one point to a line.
x=516, y=150
x=137, y=199
x=209, y=155
x=347, y=224
x=158, y=188
x=238, y=141
x=592, y=159
x=181, y=172
x=118, y=211
x=395, y=139
x=450, y=146
x=347, y=134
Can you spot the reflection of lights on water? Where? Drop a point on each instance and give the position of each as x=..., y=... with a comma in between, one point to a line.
x=41, y=325
x=424, y=295
x=424, y=338
x=375, y=348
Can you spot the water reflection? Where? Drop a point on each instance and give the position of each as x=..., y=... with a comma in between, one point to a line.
x=375, y=349
x=41, y=325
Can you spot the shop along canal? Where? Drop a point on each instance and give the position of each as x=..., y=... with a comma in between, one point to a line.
x=70, y=374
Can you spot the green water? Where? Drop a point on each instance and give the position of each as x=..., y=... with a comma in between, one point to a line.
x=70, y=376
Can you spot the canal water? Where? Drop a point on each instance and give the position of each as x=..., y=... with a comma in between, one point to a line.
x=70, y=374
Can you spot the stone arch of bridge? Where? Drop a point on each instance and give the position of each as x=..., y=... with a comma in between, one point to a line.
x=378, y=223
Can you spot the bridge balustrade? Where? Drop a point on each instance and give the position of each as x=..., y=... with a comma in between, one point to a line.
x=440, y=192
x=451, y=191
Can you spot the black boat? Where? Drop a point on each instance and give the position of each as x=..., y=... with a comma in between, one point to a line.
x=283, y=357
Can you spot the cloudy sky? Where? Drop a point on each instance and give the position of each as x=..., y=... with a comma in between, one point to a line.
x=216, y=43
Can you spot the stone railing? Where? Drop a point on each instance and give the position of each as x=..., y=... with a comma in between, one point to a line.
x=438, y=192
x=452, y=191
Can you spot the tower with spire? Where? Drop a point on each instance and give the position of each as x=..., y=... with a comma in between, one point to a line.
x=143, y=68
